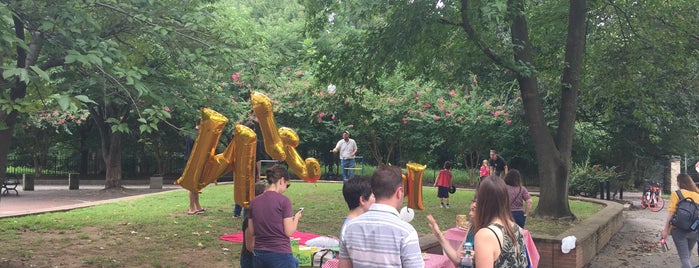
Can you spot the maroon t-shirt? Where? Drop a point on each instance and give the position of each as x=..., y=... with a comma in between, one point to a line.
x=268, y=212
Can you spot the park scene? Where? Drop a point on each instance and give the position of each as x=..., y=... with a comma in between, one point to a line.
x=133, y=133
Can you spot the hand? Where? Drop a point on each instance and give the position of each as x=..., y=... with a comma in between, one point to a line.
x=433, y=225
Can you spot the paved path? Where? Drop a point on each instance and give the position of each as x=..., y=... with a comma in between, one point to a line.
x=46, y=198
x=635, y=245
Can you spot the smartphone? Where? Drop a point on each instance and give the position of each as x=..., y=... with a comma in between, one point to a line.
x=300, y=209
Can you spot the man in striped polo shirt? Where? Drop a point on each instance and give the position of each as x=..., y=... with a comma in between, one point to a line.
x=379, y=238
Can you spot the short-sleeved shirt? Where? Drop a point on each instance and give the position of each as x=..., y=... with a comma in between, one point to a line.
x=444, y=178
x=268, y=212
x=674, y=199
x=498, y=164
x=346, y=148
x=517, y=196
x=484, y=171
x=379, y=238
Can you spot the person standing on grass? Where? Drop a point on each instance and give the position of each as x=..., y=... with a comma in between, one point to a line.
x=379, y=238
x=194, y=206
x=684, y=240
x=443, y=184
x=271, y=223
x=518, y=195
x=347, y=148
x=498, y=166
x=485, y=170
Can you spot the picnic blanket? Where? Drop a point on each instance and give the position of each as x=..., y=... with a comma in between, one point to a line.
x=302, y=236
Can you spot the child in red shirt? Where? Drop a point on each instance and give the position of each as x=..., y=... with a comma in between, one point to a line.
x=443, y=183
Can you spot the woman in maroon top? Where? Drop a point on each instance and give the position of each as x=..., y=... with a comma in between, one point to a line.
x=271, y=223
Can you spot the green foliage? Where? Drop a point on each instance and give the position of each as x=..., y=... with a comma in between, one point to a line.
x=585, y=179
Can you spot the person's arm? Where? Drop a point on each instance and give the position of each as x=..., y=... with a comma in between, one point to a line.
x=250, y=236
x=291, y=223
x=666, y=229
x=354, y=144
x=337, y=148
x=528, y=208
x=453, y=254
x=344, y=263
x=486, y=248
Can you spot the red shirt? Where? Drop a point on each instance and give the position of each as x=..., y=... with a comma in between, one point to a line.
x=444, y=178
x=484, y=171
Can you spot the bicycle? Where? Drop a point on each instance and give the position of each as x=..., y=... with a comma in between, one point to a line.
x=651, y=198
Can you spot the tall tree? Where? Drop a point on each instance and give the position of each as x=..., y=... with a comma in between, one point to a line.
x=390, y=35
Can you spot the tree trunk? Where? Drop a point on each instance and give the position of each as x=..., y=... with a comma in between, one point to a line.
x=553, y=156
x=17, y=91
x=112, y=159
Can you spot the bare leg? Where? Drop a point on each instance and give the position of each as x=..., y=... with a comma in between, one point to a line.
x=194, y=205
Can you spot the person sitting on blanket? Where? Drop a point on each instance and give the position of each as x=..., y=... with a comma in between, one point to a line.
x=454, y=254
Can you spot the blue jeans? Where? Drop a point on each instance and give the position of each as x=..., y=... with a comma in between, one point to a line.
x=238, y=209
x=266, y=259
x=347, y=173
x=519, y=218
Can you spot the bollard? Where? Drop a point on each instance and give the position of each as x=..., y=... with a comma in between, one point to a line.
x=156, y=182
x=601, y=190
x=27, y=183
x=73, y=182
x=609, y=195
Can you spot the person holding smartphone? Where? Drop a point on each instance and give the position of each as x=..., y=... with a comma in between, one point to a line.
x=272, y=222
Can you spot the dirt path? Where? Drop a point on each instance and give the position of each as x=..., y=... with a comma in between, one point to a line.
x=637, y=244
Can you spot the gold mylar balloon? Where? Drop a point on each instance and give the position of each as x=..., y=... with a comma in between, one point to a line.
x=210, y=129
x=245, y=141
x=262, y=107
x=414, y=191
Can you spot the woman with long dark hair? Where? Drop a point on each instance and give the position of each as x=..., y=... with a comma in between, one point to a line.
x=499, y=241
x=518, y=197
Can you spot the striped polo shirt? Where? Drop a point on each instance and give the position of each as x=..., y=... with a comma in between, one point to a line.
x=379, y=238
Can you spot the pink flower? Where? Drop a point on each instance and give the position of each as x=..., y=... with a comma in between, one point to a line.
x=441, y=107
x=508, y=122
x=422, y=114
x=499, y=106
x=440, y=101
x=235, y=76
x=320, y=120
x=410, y=111
x=167, y=109
x=452, y=92
x=332, y=117
x=321, y=114
x=405, y=121
x=458, y=119
x=63, y=121
x=435, y=118
x=447, y=114
x=248, y=85
x=427, y=106
x=496, y=113
x=321, y=94
x=351, y=126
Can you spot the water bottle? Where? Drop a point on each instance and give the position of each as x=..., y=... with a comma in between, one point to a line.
x=467, y=260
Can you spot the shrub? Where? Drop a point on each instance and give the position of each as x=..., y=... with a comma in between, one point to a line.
x=585, y=179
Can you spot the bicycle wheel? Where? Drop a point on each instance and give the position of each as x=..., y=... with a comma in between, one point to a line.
x=659, y=204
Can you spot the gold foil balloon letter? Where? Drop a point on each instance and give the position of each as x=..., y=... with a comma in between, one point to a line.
x=210, y=129
x=414, y=182
x=245, y=141
x=308, y=170
x=262, y=107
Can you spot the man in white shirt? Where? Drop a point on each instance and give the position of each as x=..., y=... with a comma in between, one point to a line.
x=347, y=148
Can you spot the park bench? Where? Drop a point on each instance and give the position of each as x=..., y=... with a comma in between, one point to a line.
x=9, y=184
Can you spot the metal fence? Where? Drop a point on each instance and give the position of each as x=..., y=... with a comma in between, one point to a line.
x=52, y=165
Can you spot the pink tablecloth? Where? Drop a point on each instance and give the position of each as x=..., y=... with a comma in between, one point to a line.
x=455, y=236
x=431, y=261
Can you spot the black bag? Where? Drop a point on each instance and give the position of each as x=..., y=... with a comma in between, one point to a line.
x=686, y=215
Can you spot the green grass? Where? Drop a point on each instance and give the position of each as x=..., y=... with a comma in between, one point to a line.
x=159, y=226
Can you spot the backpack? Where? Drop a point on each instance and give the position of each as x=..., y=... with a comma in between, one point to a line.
x=686, y=215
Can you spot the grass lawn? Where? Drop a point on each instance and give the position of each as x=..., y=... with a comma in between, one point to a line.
x=155, y=231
